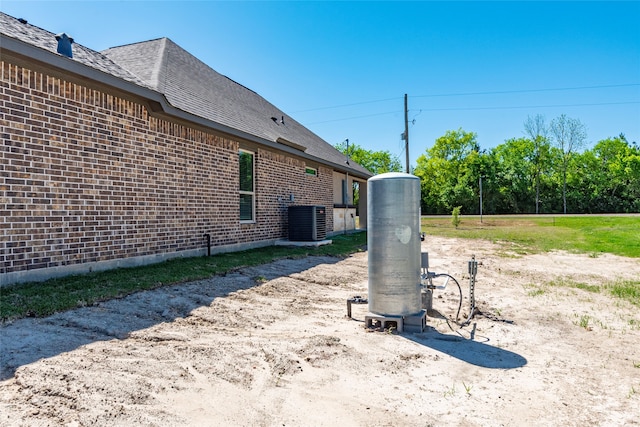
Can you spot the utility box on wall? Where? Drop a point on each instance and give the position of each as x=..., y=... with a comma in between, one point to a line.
x=307, y=223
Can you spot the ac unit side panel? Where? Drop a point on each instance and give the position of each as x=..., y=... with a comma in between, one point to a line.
x=321, y=222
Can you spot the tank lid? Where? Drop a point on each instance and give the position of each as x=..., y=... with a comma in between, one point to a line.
x=393, y=175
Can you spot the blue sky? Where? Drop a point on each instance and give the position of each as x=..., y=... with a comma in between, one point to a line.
x=342, y=68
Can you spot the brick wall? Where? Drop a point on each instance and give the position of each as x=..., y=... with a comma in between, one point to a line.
x=89, y=177
x=275, y=183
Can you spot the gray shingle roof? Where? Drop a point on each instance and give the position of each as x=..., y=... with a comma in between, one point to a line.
x=190, y=85
x=46, y=40
x=193, y=86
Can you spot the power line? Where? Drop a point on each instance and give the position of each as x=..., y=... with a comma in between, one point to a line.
x=471, y=94
x=530, y=106
x=346, y=105
x=355, y=117
x=526, y=90
x=478, y=108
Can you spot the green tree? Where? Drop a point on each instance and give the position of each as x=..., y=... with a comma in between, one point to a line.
x=569, y=135
x=585, y=182
x=607, y=178
x=449, y=173
x=620, y=162
x=516, y=175
x=488, y=169
x=631, y=191
x=531, y=174
x=551, y=195
x=538, y=131
x=376, y=162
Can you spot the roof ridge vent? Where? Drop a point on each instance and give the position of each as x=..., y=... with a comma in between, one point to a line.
x=64, y=45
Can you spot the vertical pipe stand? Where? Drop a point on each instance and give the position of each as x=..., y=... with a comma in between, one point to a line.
x=473, y=271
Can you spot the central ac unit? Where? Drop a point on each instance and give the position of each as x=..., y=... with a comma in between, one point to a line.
x=307, y=223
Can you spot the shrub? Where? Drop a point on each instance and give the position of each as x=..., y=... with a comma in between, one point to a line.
x=455, y=216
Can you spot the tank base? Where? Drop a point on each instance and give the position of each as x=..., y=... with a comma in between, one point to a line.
x=415, y=323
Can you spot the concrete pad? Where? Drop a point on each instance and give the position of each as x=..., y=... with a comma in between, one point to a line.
x=301, y=244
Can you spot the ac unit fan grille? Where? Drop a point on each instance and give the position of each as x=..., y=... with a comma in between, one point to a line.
x=307, y=223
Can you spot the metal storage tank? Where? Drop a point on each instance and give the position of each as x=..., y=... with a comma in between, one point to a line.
x=393, y=244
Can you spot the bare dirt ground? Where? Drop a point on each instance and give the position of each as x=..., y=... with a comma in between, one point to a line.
x=273, y=346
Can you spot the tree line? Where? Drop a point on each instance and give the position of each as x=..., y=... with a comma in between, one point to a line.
x=546, y=171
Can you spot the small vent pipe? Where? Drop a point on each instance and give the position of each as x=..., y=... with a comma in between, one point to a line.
x=64, y=45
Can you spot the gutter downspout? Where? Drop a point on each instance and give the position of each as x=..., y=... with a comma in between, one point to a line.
x=346, y=190
x=346, y=202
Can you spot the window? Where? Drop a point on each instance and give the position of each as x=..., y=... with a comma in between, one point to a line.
x=311, y=171
x=247, y=190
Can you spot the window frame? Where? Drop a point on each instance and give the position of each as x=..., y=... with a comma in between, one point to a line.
x=251, y=193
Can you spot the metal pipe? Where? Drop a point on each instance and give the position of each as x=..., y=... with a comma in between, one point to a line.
x=208, y=237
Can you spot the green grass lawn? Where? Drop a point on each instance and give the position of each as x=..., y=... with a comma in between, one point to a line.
x=593, y=235
x=619, y=235
x=39, y=299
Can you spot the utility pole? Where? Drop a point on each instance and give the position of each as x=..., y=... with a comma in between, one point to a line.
x=406, y=131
